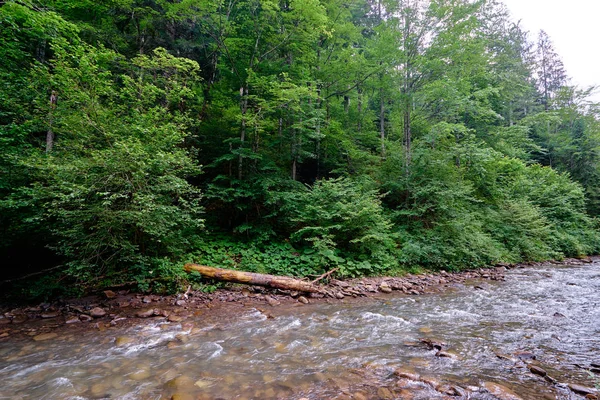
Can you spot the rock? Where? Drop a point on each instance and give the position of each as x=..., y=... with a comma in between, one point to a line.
x=145, y=313
x=445, y=354
x=182, y=396
x=85, y=317
x=4, y=334
x=180, y=383
x=559, y=315
x=50, y=315
x=550, y=379
x=537, y=370
x=456, y=391
x=407, y=374
x=140, y=375
x=384, y=393
x=272, y=302
x=72, y=319
x=110, y=294
x=501, y=392
x=339, y=295
x=45, y=336
x=432, y=344
x=180, y=303
x=147, y=299
x=123, y=340
x=97, y=312
x=591, y=397
x=174, y=318
x=303, y=300
x=385, y=288
x=582, y=390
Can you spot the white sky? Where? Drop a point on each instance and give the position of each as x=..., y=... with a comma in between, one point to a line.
x=573, y=26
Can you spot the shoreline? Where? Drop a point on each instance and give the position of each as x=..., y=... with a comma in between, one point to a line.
x=123, y=309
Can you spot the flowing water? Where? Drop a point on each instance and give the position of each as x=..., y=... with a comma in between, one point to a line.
x=321, y=351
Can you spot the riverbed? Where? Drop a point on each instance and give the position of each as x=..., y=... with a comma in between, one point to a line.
x=477, y=340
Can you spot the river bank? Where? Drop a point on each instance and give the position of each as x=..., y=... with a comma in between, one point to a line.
x=123, y=308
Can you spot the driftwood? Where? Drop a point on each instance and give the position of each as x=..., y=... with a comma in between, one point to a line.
x=251, y=278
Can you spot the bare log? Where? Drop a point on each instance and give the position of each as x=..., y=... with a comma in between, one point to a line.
x=251, y=278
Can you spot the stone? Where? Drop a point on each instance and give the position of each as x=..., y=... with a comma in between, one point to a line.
x=123, y=340
x=50, y=315
x=537, y=370
x=582, y=390
x=501, y=392
x=445, y=354
x=45, y=336
x=174, y=318
x=303, y=300
x=147, y=299
x=110, y=294
x=182, y=396
x=339, y=295
x=591, y=397
x=72, y=320
x=272, y=302
x=85, y=317
x=149, y=312
x=385, y=288
x=4, y=334
x=140, y=375
x=384, y=393
x=180, y=383
x=97, y=312
x=407, y=374
x=180, y=303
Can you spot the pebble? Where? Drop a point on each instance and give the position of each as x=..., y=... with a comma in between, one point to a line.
x=85, y=317
x=50, y=315
x=303, y=300
x=145, y=313
x=272, y=302
x=501, y=392
x=147, y=299
x=385, y=288
x=339, y=295
x=97, y=312
x=72, y=320
x=174, y=318
x=537, y=370
x=110, y=294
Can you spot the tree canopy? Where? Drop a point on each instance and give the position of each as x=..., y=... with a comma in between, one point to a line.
x=288, y=136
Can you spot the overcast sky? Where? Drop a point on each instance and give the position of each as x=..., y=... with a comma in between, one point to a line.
x=573, y=26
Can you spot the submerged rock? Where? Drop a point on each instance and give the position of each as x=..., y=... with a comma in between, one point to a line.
x=537, y=370
x=501, y=392
x=45, y=336
x=581, y=389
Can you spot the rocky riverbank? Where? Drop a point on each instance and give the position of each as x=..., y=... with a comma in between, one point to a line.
x=120, y=308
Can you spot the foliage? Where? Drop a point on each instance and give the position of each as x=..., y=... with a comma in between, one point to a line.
x=372, y=137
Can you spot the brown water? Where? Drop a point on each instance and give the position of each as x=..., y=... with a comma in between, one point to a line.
x=326, y=350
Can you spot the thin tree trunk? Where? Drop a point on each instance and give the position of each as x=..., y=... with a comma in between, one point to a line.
x=50, y=133
x=244, y=109
x=382, y=122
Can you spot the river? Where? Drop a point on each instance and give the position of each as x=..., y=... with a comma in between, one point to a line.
x=547, y=316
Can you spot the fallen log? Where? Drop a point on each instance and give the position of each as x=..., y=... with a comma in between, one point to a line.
x=252, y=278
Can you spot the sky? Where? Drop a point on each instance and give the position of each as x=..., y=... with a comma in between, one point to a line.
x=573, y=26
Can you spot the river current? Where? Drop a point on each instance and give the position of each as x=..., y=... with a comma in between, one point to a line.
x=547, y=315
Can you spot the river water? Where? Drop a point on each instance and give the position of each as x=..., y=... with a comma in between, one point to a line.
x=339, y=350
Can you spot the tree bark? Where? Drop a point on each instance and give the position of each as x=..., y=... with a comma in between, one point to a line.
x=251, y=278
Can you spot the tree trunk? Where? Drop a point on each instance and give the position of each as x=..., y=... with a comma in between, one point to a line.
x=50, y=133
x=251, y=278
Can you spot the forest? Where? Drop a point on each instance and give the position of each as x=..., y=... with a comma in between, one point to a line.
x=288, y=137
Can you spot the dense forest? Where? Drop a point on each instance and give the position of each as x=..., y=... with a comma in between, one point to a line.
x=284, y=136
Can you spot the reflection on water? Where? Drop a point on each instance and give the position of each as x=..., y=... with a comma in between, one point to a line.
x=328, y=350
